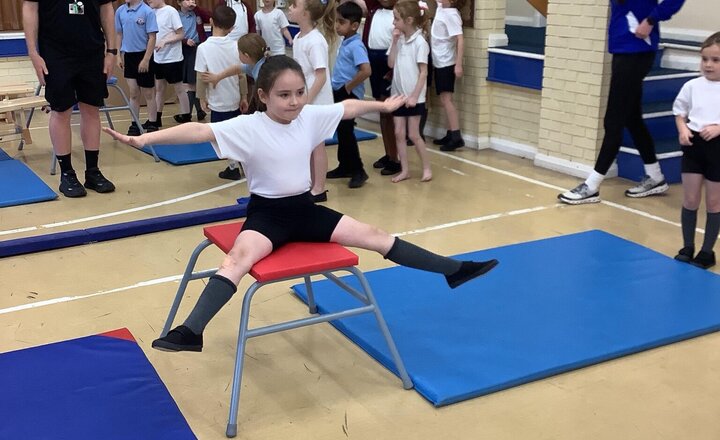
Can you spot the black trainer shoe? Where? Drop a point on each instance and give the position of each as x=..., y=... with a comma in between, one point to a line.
x=338, y=173
x=133, y=130
x=230, y=174
x=358, y=179
x=704, y=260
x=470, y=270
x=201, y=115
x=382, y=162
x=443, y=140
x=96, y=181
x=685, y=254
x=391, y=168
x=179, y=339
x=319, y=198
x=183, y=118
x=70, y=185
x=452, y=145
x=149, y=126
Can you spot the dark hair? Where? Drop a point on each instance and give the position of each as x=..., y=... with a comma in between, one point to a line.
x=254, y=45
x=711, y=40
x=350, y=11
x=269, y=72
x=223, y=17
x=457, y=4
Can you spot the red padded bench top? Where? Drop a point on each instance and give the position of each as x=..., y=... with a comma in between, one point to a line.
x=292, y=259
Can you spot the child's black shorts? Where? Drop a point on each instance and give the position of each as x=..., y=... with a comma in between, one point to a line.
x=379, y=78
x=290, y=219
x=189, y=54
x=702, y=157
x=75, y=79
x=445, y=79
x=418, y=110
x=132, y=62
x=170, y=72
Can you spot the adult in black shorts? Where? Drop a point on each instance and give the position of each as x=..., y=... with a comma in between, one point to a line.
x=71, y=45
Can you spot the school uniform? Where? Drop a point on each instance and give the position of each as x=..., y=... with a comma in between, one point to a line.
x=377, y=36
x=168, y=61
x=192, y=22
x=72, y=43
x=215, y=55
x=311, y=52
x=243, y=22
x=410, y=52
x=446, y=26
x=136, y=23
x=270, y=26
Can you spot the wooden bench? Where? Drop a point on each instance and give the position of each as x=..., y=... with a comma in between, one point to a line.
x=13, y=125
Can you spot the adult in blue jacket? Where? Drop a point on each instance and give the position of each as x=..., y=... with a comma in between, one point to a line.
x=633, y=36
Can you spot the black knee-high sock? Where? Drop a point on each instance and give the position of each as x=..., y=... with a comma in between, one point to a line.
x=688, y=220
x=216, y=294
x=712, y=227
x=91, y=159
x=409, y=255
x=65, y=163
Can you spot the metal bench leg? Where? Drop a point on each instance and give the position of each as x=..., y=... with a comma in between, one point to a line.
x=109, y=119
x=312, y=307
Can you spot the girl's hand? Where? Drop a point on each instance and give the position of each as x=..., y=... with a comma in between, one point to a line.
x=710, y=132
x=411, y=102
x=204, y=105
x=685, y=136
x=210, y=78
x=393, y=103
x=134, y=141
x=458, y=71
x=190, y=42
x=396, y=34
x=244, y=106
x=159, y=45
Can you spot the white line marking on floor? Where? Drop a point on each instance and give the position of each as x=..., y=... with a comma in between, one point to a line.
x=453, y=170
x=126, y=211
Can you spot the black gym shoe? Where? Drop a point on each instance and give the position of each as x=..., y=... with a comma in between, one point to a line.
x=704, y=260
x=70, y=185
x=685, y=254
x=96, y=181
x=443, y=140
x=150, y=127
x=358, y=179
x=179, y=339
x=382, y=162
x=183, y=118
x=231, y=174
x=319, y=198
x=391, y=168
x=133, y=130
x=338, y=173
x=201, y=115
x=452, y=145
x=470, y=270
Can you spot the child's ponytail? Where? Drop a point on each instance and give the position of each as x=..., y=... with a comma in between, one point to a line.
x=322, y=13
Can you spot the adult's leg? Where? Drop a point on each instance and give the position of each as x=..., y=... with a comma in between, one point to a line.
x=60, y=132
x=90, y=126
x=635, y=123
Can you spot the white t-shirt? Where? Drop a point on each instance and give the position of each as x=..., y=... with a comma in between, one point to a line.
x=168, y=21
x=311, y=52
x=241, y=19
x=215, y=55
x=275, y=156
x=699, y=101
x=446, y=26
x=410, y=52
x=270, y=26
x=381, y=29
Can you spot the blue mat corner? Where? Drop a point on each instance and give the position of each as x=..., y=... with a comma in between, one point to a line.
x=184, y=154
x=21, y=185
x=361, y=135
x=552, y=306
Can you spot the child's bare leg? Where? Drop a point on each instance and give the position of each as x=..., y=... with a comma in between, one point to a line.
x=414, y=132
x=183, y=100
x=387, y=128
x=160, y=94
x=318, y=169
x=149, y=95
x=400, y=142
x=446, y=99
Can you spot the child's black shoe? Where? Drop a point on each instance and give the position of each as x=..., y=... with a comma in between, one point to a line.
x=685, y=254
x=470, y=270
x=179, y=339
x=704, y=260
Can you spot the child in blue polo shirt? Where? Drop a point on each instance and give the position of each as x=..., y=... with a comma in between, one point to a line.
x=136, y=29
x=352, y=68
x=193, y=19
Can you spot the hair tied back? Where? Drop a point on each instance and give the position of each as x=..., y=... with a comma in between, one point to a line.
x=423, y=7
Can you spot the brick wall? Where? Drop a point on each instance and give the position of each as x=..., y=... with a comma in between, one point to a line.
x=515, y=113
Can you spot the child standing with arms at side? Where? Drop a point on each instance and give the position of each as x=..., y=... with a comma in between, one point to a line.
x=352, y=68
x=216, y=54
x=408, y=56
x=448, y=46
x=697, y=115
x=136, y=30
x=310, y=50
x=272, y=25
x=168, y=58
x=193, y=19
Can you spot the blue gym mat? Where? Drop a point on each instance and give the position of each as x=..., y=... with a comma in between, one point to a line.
x=551, y=306
x=361, y=135
x=97, y=387
x=19, y=185
x=184, y=154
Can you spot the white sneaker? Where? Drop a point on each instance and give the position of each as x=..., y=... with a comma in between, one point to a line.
x=647, y=187
x=579, y=195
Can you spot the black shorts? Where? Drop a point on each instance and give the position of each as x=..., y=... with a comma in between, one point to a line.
x=702, y=157
x=75, y=79
x=445, y=79
x=132, y=62
x=189, y=76
x=223, y=116
x=418, y=110
x=290, y=219
x=170, y=72
x=380, y=76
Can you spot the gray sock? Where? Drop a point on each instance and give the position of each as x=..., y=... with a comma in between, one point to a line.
x=688, y=220
x=409, y=255
x=712, y=227
x=217, y=293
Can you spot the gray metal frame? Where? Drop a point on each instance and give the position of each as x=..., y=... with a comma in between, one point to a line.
x=365, y=296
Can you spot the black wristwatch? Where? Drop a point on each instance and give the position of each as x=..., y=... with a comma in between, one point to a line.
x=112, y=51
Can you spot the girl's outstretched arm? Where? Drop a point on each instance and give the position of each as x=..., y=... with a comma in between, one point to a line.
x=189, y=133
x=356, y=107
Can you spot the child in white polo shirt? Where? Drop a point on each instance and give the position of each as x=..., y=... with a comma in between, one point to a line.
x=272, y=25
x=408, y=56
